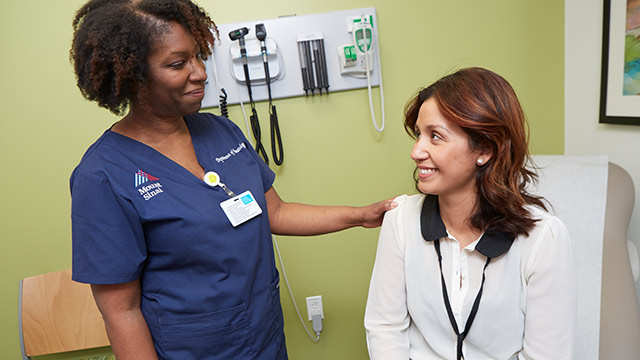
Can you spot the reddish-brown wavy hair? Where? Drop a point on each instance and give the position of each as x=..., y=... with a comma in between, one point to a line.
x=486, y=107
x=112, y=41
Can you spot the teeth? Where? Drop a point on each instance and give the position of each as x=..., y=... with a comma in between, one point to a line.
x=426, y=171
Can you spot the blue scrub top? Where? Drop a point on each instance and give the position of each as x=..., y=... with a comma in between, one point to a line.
x=209, y=290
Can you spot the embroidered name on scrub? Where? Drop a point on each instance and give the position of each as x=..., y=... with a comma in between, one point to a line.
x=150, y=191
x=231, y=152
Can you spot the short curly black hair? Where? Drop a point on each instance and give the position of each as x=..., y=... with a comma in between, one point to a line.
x=113, y=38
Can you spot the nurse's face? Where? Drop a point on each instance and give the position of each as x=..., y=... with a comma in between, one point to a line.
x=446, y=163
x=175, y=85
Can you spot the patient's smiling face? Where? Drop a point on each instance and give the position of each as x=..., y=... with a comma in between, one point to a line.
x=446, y=163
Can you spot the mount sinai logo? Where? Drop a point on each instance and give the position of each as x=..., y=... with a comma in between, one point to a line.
x=147, y=191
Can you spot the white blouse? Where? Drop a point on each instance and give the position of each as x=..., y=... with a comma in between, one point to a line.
x=528, y=306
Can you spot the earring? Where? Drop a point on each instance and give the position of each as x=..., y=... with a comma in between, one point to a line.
x=479, y=161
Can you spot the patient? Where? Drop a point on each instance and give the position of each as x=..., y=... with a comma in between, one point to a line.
x=474, y=267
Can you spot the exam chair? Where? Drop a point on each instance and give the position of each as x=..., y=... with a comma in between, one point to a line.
x=594, y=198
x=619, y=315
x=58, y=315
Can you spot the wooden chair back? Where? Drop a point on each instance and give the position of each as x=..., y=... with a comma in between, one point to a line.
x=58, y=315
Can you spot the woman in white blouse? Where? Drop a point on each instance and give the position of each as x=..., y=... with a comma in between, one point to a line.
x=474, y=267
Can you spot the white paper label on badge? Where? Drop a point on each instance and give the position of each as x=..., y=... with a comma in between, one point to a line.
x=241, y=208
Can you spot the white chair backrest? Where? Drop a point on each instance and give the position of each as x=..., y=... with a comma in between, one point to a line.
x=579, y=190
x=620, y=314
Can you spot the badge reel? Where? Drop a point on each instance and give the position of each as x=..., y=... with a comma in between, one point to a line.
x=239, y=208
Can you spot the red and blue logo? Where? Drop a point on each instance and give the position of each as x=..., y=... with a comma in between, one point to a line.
x=147, y=191
x=142, y=177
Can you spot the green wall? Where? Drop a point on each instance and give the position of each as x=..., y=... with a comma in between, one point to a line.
x=333, y=154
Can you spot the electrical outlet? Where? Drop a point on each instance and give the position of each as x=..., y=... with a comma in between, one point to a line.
x=314, y=306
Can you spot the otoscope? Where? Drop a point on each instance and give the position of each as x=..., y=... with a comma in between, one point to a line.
x=239, y=34
x=261, y=34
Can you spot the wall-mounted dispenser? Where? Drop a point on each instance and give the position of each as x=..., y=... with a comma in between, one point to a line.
x=313, y=63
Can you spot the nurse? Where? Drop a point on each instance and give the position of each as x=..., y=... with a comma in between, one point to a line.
x=172, y=210
x=474, y=267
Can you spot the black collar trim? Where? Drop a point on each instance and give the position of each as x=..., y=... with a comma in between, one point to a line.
x=492, y=244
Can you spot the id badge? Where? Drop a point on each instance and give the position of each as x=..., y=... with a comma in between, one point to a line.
x=241, y=208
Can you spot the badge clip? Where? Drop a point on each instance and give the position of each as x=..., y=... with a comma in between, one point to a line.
x=212, y=179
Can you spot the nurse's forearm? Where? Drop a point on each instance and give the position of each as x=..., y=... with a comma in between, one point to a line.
x=127, y=329
x=130, y=337
x=301, y=219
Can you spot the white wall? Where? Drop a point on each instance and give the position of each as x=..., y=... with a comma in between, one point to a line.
x=583, y=134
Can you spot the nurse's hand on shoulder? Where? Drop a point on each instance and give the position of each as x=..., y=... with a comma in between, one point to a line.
x=372, y=215
x=288, y=218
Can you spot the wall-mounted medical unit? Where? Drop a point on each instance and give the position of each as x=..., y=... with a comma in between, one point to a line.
x=307, y=55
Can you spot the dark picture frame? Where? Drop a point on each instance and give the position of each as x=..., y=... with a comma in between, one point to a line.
x=616, y=107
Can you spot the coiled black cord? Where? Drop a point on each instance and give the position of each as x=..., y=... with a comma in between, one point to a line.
x=224, y=110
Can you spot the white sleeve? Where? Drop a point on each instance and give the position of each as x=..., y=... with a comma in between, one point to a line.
x=386, y=317
x=550, y=313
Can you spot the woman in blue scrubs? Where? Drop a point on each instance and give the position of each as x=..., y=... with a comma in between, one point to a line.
x=181, y=263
